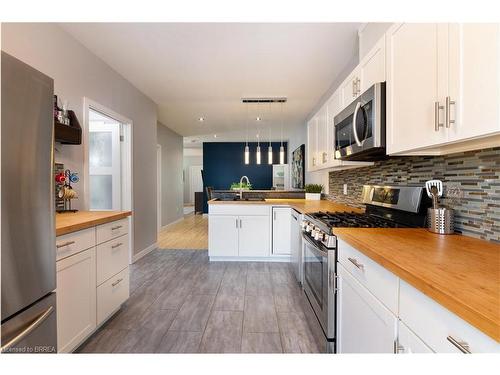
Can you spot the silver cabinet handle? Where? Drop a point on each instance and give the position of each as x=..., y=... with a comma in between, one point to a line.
x=314, y=161
x=274, y=215
x=117, y=227
x=236, y=220
x=117, y=245
x=241, y=226
x=448, y=119
x=398, y=349
x=437, y=108
x=41, y=318
x=65, y=244
x=354, y=88
x=356, y=263
x=460, y=345
x=325, y=157
x=117, y=282
x=359, y=86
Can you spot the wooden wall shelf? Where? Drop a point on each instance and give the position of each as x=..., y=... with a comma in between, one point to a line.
x=68, y=134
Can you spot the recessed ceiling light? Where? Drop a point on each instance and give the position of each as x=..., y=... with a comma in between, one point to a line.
x=201, y=119
x=258, y=119
x=215, y=135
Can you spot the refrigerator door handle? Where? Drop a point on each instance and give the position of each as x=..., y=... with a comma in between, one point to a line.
x=31, y=327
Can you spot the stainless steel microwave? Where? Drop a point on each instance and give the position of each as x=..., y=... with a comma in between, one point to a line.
x=360, y=127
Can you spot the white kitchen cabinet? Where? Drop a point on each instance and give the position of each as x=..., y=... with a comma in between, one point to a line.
x=474, y=80
x=322, y=124
x=364, y=324
x=408, y=342
x=296, y=244
x=112, y=258
x=372, y=67
x=439, y=328
x=282, y=226
x=76, y=299
x=223, y=235
x=111, y=294
x=414, y=54
x=442, y=88
x=254, y=236
x=351, y=87
x=312, y=144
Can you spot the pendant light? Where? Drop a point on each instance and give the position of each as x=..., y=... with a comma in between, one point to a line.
x=282, y=149
x=270, y=148
x=247, y=149
x=258, y=119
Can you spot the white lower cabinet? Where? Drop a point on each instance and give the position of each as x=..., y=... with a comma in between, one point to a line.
x=223, y=235
x=439, y=328
x=111, y=294
x=92, y=283
x=364, y=324
x=282, y=227
x=254, y=236
x=408, y=342
x=76, y=299
x=239, y=231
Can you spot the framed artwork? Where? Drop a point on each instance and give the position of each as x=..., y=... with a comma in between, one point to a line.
x=298, y=167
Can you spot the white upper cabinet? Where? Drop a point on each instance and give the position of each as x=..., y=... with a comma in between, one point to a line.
x=312, y=144
x=474, y=80
x=322, y=151
x=442, y=87
x=412, y=89
x=334, y=106
x=372, y=66
x=351, y=87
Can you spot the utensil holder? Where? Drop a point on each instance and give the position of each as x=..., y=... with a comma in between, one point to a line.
x=440, y=220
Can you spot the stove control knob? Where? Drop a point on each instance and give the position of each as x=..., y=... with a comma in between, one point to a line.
x=318, y=235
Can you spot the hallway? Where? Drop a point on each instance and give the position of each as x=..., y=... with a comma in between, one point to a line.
x=190, y=233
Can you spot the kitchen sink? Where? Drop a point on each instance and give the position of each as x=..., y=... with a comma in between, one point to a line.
x=232, y=199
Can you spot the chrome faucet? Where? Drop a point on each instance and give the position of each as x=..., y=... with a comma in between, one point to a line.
x=241, y=188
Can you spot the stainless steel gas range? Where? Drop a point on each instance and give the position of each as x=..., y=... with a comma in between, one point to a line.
x=386, y=207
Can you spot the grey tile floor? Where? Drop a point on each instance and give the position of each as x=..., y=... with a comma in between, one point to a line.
x=180, y=302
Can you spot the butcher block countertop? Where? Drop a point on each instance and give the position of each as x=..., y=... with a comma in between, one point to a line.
x=461, y=273
x=74, y=221
x=301, y=205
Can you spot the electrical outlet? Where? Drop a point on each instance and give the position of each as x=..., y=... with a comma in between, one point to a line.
x=345, y=189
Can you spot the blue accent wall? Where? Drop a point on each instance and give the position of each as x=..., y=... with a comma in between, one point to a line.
x=223, y=164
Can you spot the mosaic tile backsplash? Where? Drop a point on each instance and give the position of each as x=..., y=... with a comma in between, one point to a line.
x=471, y=185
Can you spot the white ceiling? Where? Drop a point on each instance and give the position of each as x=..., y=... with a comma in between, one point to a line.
x=194, y=70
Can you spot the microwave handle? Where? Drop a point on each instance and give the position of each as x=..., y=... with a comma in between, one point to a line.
x=358, y=106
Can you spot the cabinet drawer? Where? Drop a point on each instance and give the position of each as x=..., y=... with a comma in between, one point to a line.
x=382, y=283
x=111, y=294
x=108, y=231
x=112, y=257
x=72, y=243
x=239, y=209
x=437, y=326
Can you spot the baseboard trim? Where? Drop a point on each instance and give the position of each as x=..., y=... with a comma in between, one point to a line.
x=144, y=252
x=172, y=223
x=274, y=258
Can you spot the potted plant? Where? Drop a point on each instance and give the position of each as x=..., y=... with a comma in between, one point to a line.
x=243, y=186
x=313, y=191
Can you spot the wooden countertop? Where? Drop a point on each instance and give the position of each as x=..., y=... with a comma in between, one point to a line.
x=461, y=273
x=301, y=205
x=73, y=221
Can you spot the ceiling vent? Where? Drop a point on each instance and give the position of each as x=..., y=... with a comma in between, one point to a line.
x=264, y=100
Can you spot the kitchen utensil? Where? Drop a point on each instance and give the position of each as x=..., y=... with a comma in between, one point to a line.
x=434, y=190
x=440, y=220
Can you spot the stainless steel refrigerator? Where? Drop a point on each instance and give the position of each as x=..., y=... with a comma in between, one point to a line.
x=28, y=223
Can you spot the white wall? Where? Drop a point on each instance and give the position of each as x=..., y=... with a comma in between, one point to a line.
x=171, y=174
x=78, y=73
x=369, y=35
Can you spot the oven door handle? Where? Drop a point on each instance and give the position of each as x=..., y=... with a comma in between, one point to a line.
x=354, y=131
x=315, y=247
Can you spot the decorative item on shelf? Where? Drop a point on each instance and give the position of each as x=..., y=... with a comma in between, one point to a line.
x=67, y=129
x=243, y=186
x=313, y=191
x=439, y=219
x=64, y=191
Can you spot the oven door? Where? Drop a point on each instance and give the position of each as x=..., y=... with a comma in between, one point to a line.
x=316, y=280
x=360, y=128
